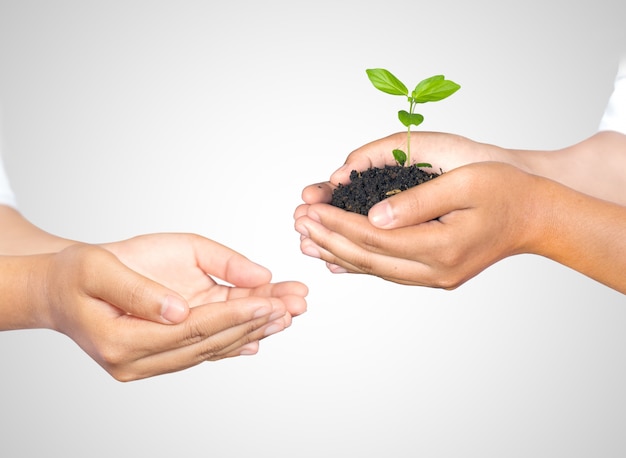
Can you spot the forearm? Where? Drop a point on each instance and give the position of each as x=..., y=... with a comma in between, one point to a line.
x=584, y=233
x=595, y=166
x=18, y=236
x=21, y=305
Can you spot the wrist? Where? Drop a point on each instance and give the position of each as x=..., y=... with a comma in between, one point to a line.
x=22, y=288
x=534, y=162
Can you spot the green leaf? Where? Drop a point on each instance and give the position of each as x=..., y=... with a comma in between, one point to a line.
x=410, y=119
x=384, y=81
x=434, y=89
x=424, y=165
x=399, y=156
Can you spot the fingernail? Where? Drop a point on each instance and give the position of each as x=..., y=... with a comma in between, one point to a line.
x=262, y=311
x=251, y=348
x=276, y=315
x=302, y=230
x=380, y=215
x=174, y=309
x=334, y=268
x=311, y=250
x=314, y=216
x=273, y=329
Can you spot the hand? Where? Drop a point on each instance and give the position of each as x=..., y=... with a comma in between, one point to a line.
x=186, y=262
x=440, y=233
x=603, y=151
x=117, y=315
x=444, y=152
x=491, y=203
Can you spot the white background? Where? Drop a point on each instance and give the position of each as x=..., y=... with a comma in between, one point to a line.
x=128, y=117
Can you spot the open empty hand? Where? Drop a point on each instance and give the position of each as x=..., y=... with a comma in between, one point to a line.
x=152, y=304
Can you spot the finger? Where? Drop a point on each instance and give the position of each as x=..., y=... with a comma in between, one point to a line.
x=292, y=293
x=216, y=318
x=110, y=280
x=333, y=262
x=227, y=264
x=348, y=240
x=245, y=347
x=296, y=305
x=425, y=202
x=300, y=211
x=226, y=342
x=140, y=348
x=279, y=289
x=337, y=249
x=201, y=344
x=323, y=243
x=308, y=247
x=243, y=339
x=318, y=192
x=251, y=348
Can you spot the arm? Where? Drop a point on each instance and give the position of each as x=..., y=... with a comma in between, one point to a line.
x=84, y=292
x=602, y=155
x=596, y=166
x=19, y=236
x=143, y=306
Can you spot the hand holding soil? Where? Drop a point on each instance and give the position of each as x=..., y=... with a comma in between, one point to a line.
x=491, y=204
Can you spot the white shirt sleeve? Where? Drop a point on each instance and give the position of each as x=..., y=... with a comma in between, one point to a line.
x=614, y=117
x=6, y=192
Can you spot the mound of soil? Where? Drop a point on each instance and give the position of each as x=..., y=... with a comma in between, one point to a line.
x=375, y=184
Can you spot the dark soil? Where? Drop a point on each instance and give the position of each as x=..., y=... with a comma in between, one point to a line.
x=373, y=185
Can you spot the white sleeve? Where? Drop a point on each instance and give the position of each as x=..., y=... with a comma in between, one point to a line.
x=6, y=192
x=614, y=117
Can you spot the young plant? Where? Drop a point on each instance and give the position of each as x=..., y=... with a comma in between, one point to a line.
x=430, y=89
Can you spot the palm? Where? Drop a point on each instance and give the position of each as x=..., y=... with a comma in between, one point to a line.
x=173, y=261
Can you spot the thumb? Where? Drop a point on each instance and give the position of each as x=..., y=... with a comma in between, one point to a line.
x=135, y=294
x=422, y=203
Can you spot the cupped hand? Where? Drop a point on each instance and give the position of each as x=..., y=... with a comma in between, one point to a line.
x=191, y=265
x=443, y=151
x=119, y=315
x=440, y=233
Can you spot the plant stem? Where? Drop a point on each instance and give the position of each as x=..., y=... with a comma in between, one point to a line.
x=408, y=146
x=408, y=134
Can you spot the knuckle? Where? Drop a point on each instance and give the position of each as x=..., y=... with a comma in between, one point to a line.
x=124, y=376
x=450, y=278
x=112, y=355
x=449, y=259
x=449, y=253
x=353, y=155
x=449, y=282
x=407, y=203
x=136, y=294
x=363, y=262
x=114, y=360
x=372, y=240
x=448, y=271
x=211, y=351
x=195, y=332
x=216, y=346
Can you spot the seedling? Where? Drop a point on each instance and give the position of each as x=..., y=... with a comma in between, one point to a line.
x=430, y=89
